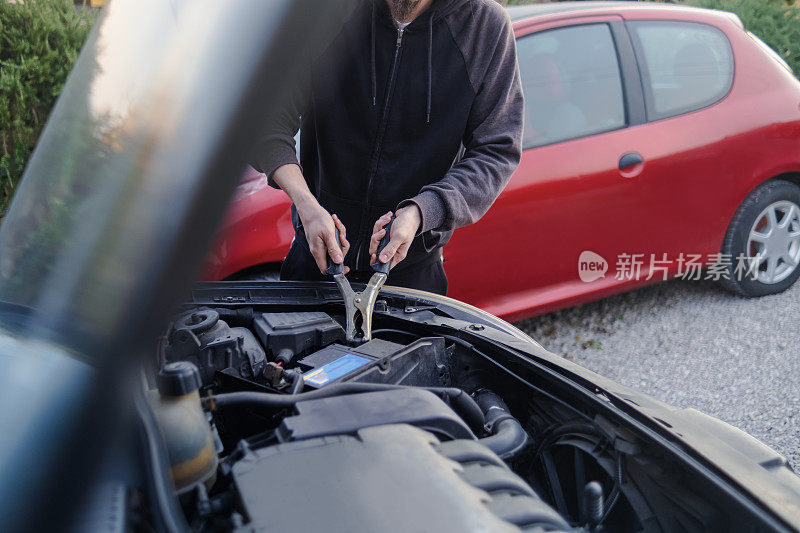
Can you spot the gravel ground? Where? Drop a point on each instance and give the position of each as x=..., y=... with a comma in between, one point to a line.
x=691, y=344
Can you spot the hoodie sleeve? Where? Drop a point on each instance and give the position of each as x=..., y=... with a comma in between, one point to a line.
x=492, y=141
x=276, y=146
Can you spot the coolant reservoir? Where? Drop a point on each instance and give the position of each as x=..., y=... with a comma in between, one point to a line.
x=188, y=436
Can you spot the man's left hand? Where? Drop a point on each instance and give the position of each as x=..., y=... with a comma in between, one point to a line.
x=403, y=230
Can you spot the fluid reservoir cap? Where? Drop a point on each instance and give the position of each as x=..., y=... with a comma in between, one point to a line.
x=179, y=378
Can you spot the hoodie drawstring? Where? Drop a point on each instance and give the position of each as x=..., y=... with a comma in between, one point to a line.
x=372, y=58
x=430, y=67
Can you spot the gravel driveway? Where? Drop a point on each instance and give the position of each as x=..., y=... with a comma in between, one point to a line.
x=691, y=344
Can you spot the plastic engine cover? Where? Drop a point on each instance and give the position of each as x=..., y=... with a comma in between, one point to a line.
x=296, y=333
x=347, y=414
x=387, y=478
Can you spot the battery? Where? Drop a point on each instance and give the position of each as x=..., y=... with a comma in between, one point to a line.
x=334, y=370
x=336, y=361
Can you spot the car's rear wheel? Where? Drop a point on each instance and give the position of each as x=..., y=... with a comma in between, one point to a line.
x=763, y=241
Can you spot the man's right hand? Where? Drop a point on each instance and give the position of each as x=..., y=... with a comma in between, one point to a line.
x=320, y=226
x=317, y=222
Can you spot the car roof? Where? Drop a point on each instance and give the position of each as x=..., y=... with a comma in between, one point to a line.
x=522, y=12
x=519, y=13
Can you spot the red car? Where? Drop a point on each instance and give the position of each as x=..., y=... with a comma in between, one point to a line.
x=658, y=140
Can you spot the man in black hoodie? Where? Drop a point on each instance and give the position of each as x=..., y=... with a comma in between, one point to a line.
x=415, y=108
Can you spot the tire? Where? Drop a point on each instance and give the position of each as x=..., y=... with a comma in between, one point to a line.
x=764, y=229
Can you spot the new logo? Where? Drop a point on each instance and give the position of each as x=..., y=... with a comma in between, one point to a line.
x=591, y=266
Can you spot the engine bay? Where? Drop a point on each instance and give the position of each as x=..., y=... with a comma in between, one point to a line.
x=274, y=422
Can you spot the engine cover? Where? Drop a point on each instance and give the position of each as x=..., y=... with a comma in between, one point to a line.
x=340, y=415
x=386, y=478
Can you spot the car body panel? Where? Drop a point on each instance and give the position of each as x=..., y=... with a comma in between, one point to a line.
x=257, y=230
x=570, y=196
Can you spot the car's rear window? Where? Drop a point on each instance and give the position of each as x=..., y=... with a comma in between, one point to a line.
x=685, y=65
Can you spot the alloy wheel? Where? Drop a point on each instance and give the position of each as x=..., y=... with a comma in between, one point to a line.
x=774, y=242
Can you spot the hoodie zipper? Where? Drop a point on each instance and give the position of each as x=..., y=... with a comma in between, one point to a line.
x=379, y=143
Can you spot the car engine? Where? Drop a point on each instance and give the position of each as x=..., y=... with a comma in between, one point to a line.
x=274, y=422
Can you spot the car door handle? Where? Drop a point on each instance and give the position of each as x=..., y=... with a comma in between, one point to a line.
x=630, y=159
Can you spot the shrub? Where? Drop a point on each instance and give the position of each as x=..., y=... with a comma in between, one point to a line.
x=39, y=43
x=776, y=22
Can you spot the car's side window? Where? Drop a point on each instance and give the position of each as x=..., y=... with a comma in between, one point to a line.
x=571, y=82
x=685, y=65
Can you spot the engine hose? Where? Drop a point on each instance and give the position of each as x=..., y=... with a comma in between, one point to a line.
x=508, y=436
x=285, y=356
x=460, y=401
x=296, y=379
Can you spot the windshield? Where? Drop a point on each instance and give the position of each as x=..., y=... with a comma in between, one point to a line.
x=142, y=132
x=115, y=211
x=74, y=172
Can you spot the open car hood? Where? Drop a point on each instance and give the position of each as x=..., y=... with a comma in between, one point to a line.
x=746, y=467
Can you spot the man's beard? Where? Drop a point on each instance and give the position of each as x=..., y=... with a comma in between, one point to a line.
x=401, y=9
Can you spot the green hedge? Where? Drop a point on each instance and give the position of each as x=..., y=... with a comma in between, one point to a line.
x=775, y=21
x=39, y=43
